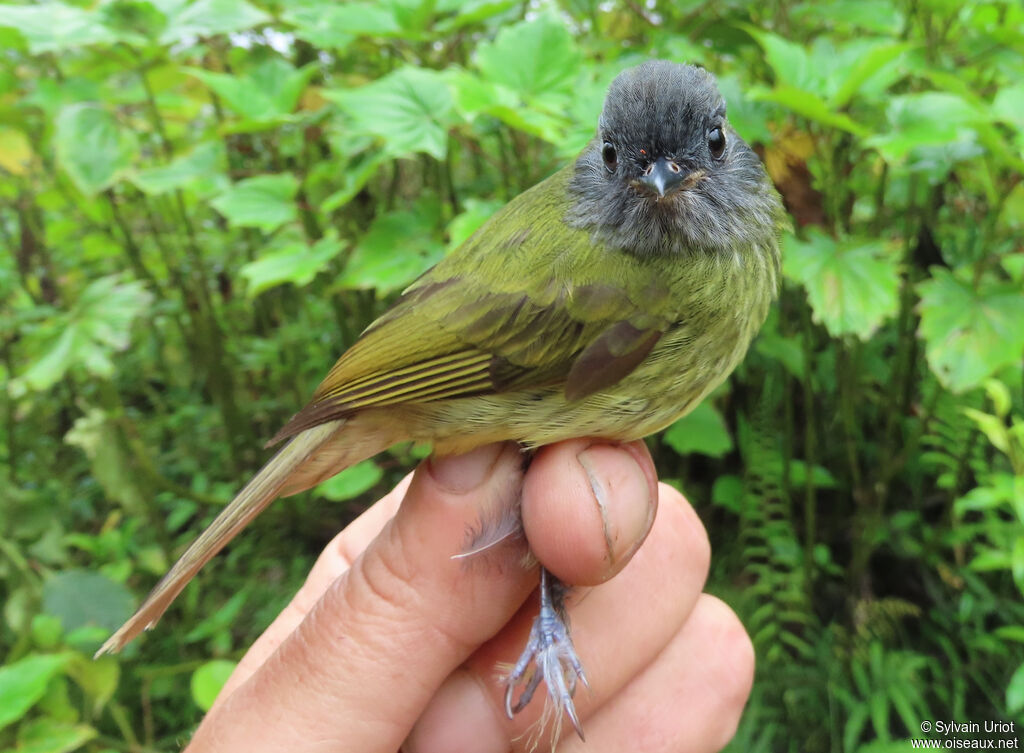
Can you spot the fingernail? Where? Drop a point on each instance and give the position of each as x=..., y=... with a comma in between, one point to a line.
x=464, y=473
x=622, y=496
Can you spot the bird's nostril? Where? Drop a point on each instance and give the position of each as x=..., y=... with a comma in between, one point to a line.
x=673, y=167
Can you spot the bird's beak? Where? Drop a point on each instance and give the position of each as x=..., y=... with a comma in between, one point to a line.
x=663, y=177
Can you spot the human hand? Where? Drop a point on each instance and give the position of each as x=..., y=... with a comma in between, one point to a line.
x=393, y=644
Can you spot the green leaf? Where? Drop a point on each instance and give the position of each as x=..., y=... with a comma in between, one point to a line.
x=475, y=213
x=53, y=26
x=969, y=333
x=15, y=151
x=46, y=735
x=357, y=173
x=851, y=286
x=809, y=105
x=533, y=58
x=23, y=683
x=703, y=430
x=351, y=482
x=789, y=61
x=410, y=109
x=91, y=147
x=201, y=171
x=1015, y=691
x=208, y=680
x=868, y=64
x=96, y=327
x=97, y=678
x=727, y=492
x=268, y=92
x=206, y=18
x=295, y=262
x=81, y=597
x=1008, y=105
x=926, y=119
x=265, y=202
x=398, y=247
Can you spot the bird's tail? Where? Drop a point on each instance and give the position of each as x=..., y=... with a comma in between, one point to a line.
x=284, y=474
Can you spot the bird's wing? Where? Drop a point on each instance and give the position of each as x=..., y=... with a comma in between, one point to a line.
x=525, y=303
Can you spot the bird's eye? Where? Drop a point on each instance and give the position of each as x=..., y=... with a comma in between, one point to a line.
x=716, y=142
x=609, y=156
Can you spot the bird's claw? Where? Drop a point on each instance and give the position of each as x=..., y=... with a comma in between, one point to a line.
x=551, y=656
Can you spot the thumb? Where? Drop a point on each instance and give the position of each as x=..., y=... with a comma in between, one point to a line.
x=362, y=665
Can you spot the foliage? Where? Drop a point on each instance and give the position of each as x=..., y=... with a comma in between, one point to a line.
x=206, y=201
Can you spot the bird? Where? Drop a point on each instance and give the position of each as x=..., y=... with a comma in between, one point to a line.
x=606, y=301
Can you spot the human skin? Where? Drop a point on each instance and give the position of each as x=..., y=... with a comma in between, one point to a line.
x=393, y=644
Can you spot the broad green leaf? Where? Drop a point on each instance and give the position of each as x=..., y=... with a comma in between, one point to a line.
x=266, y=201
x=970, y=332
x=205, y=18
x=398, y=247
x=91, y=147
x=851, y=286
x=295, y=262
x=867, y=64
x=53, y=26
x=410, y=109
x=23, y=683
x=475, y=213
x=268, y=92
x=1015, y=691
x=789, y=61
x=208, y=680
x=81, y=597
x=703, y=431
x=201, y=171
x=358, y=171
x=475, y=96
x=809, y=105
x=15, y=151
x=533, y=58
x=319, y=22
x=880, y=16
x=97, y=678
x=102, y=440
x=45, y=735
x=471, y=12
x=46, y=631
x=1008, y=105
x=136, y=22
x=926, y=119
x=351, y=482
x=727, y=492
x=97, y=326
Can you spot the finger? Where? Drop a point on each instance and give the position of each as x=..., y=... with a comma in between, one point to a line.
x=618, y=629
x=341, y=679
x=335, y=559
x=587, y=506
x=689, y=700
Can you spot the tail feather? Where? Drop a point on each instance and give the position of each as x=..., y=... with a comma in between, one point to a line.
x=264, y=488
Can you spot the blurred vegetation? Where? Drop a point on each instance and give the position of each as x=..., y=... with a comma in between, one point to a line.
x=205, y=201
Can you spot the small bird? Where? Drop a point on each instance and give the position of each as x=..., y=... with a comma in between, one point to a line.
x=606, y=301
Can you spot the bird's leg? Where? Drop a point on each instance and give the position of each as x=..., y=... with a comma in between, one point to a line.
x=551, y=654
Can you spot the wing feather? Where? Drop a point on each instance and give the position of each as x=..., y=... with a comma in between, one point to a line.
x=550, y=315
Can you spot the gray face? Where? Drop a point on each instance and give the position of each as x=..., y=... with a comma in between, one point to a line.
x=666, y=172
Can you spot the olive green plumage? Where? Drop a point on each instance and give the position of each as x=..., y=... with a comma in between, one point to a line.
x=606, y=301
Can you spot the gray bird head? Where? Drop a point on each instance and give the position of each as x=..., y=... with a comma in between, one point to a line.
x=667, y=173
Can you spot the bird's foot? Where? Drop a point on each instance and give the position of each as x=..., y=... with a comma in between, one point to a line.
x=550, y=655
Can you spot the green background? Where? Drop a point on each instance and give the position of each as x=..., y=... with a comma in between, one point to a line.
x=204, y=202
